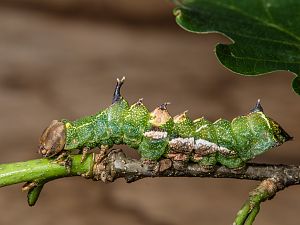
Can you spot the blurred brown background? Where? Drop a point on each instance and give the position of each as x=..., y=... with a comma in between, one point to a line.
x=60, y=59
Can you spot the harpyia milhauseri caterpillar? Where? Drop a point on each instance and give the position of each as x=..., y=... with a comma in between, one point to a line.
x=157, y=135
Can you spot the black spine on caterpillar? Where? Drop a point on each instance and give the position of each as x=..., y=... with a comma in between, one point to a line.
x=157, y=135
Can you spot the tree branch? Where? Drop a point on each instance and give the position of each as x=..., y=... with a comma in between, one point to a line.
x=115, y=164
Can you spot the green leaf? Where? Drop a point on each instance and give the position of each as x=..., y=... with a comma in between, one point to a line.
x=265, y=33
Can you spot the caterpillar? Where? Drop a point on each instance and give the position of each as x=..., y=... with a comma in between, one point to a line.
x=157, y=135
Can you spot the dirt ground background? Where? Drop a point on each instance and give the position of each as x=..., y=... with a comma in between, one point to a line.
x=60, y=59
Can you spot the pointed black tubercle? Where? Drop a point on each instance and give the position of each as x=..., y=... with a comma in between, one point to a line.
x=117, y=93
x=140, y=101
x=164, y=105
x=257, y=107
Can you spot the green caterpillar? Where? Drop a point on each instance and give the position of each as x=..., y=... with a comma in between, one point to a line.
x=157, y=135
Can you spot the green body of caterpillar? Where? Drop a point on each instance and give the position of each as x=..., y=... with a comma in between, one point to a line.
x=157, y=135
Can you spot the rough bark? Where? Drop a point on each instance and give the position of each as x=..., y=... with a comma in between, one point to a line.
x=117, y=165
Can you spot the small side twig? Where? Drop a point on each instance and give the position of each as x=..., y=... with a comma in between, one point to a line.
x=266, y=190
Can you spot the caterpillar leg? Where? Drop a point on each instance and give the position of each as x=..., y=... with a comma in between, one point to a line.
x=85, y=150
x=64, y=159
x=100, y=156
x=117, y=93
x=103, y=151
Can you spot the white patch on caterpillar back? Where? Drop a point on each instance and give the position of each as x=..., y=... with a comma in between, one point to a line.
x=201, y=146
x=205, y=147
x=182, y=144
x=156, y=134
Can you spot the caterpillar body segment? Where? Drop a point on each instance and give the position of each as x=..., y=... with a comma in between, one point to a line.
x=157, y=135
x=136, y=122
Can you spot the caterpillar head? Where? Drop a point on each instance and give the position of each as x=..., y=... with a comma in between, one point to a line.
x=53, y=139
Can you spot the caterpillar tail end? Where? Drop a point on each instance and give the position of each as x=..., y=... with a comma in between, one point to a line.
x=279, y=133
